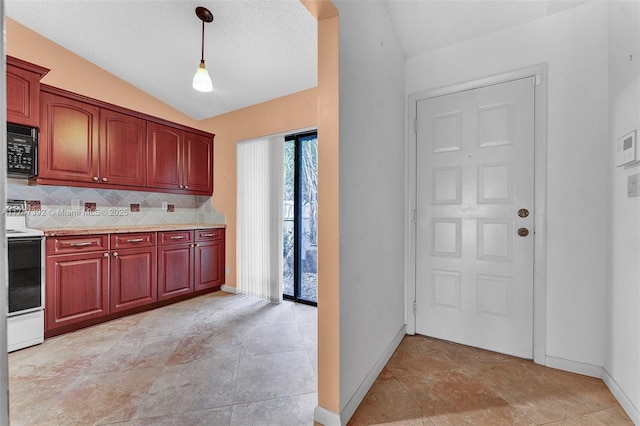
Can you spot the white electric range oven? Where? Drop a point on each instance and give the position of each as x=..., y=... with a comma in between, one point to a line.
x=25, y=261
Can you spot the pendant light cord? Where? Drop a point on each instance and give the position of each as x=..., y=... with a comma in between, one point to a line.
x=202, y=48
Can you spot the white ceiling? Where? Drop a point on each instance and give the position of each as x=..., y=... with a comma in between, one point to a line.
x=423, y=26
x=255, y=50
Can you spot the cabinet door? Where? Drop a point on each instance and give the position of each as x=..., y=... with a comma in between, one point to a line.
x=209, y=265
x=22, y=96
x=133, y=278
x=198, y=163
x=164, y=156
x=68, y=145
x=175, y=270
x=76, y=289
x=123, y=154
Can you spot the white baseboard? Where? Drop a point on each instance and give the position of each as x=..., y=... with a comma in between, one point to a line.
x=229, y=289
x=361, y=392
x=326, y=417
x=629, y=407
x=574, y=366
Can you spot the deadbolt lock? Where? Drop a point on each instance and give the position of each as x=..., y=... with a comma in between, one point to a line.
x=523, y=232
x=523, y=212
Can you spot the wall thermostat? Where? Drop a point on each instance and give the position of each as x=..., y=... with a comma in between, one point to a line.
x=626, y=149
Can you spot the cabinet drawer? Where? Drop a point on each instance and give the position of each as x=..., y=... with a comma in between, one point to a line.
x=213, y=234
x=175, y=237
x=141, y=239
x=77, y=244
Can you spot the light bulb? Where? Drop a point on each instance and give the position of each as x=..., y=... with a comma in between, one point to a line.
x=202, y=81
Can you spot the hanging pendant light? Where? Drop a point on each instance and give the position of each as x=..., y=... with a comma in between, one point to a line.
x=202, y=81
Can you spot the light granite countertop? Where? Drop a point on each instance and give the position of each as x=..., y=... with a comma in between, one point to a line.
x=60, y=232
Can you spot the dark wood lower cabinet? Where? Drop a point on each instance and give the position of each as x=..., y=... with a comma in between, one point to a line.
x=96, y=278
x=175, y=270
x=77, y=288
x=209, y=265
x=133, y=278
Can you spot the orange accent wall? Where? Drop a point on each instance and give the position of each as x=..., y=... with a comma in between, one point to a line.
x=288, y=113
x=74, y=73
x=328, y=204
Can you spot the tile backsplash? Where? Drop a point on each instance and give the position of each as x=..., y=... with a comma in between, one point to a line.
x=65, y=206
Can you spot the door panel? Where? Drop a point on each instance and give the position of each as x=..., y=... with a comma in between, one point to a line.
x=198, y=157
x=77, y=288
x=175, y=270
x=69, y=139
x=123, y=153
x=474, y=273
x=133, y=278
x=164, y=166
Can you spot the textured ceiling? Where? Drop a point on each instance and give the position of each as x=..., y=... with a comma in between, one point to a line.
x=255, y=50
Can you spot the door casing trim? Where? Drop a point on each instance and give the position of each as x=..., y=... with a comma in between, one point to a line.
x=539, y=72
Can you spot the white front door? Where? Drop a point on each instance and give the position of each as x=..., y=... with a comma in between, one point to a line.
x=475, y=217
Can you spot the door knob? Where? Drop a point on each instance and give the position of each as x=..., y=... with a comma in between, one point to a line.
x=523, y=232
x=523, y=212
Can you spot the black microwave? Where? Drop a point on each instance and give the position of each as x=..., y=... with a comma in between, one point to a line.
x=22, y=151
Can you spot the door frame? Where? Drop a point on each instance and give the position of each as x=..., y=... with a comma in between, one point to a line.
x=539, y=72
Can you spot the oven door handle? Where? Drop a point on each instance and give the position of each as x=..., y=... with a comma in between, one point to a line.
x=24, y=239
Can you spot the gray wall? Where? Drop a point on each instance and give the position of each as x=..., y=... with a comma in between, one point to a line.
x=622, y=345
x=372, y=143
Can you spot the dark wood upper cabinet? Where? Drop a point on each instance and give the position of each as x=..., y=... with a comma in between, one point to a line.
x=68, y=145
x=23, y=91
x=198, y=163
x=179, y=160
x=164, y=159
x=85, y=142
x=122, y=149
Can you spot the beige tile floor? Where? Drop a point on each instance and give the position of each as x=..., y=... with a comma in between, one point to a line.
x=432, y=382
x=226, y=359
x=218, y=359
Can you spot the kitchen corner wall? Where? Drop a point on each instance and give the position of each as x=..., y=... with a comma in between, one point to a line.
x=112, y=207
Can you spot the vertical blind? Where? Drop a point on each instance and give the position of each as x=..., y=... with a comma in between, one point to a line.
x=260, y=182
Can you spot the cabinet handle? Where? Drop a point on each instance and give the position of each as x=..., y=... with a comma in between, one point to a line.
x=80, y=244
x=186, y=187
x=209, y=235
x=179, y=237
x=106, y=255
x=180, y=186
x=115, y=254
x=135, y=240
x=95, y=178
x=104, y=179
